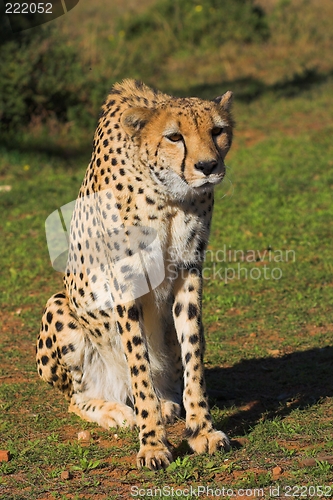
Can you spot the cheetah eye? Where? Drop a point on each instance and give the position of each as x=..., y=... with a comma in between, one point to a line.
x=175, y=137
x=217, y=131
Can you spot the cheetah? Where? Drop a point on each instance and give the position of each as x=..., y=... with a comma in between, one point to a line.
x=124, y=339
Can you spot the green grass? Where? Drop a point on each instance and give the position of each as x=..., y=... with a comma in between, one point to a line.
x=269, y=336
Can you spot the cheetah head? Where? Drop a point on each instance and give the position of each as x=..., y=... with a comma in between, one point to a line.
x=182, y=141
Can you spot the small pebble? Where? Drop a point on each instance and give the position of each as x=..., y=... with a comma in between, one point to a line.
x=4, y=456
x=84, y=436
x=277, y=471
x=66, y=475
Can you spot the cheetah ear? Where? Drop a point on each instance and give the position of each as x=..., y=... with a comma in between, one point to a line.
x=134, y=119
x=225, y=100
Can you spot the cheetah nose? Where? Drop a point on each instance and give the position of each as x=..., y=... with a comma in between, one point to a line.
x=206, y=167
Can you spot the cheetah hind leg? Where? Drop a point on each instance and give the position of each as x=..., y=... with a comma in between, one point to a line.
x=58, y=336
x=61, y=346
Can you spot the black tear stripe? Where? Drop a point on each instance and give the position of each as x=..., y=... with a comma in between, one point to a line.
x=157, y=148
x=182, y=168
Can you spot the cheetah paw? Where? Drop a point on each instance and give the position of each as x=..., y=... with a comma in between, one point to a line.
x=105, y=413
x=117, y=415
x=170, y=411
x=155, y=458
x=209, y=441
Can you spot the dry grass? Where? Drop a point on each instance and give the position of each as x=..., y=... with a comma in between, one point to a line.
x=91, y=23
x=301, y=39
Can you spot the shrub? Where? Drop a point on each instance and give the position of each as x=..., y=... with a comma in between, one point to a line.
x=206, y=23
x=172, y=28
x=41, y=76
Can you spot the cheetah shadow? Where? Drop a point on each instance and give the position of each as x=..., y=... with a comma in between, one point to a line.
x=273, y=386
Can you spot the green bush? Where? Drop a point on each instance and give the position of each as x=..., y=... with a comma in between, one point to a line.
x=208, y=23
x=178, y=28
x=41, y=76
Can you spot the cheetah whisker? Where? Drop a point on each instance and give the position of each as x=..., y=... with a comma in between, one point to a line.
x=231, y=188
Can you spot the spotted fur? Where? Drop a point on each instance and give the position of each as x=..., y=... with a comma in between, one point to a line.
x=121, y=353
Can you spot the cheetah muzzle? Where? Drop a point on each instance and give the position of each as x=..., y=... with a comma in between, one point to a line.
x=124, y=340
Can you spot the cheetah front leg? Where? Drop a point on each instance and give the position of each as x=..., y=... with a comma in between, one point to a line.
x=154, y=452
x=202, y=436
